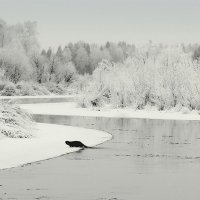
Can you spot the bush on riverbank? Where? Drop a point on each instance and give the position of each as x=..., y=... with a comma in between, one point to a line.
x=54, y=88
x=31, y=89
x=164, y=79
x=14, y=122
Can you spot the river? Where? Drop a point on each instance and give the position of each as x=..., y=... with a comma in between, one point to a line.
x=145, y=160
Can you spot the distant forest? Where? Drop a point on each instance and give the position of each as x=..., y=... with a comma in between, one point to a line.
x=86, y=56
x=21, y=57
x=165, y=76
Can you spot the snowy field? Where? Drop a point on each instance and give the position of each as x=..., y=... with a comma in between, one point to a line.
x=48, y=141
x=72, y=109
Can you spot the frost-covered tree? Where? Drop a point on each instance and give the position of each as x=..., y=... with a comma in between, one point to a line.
x=161, y=77
x=67, y=55
x=49, y=53
x=82, y=61
x=17, y=44
x=40, y=65
x=96, y=56
x=3, y=35
x=116, y=52
x=26, y=35
x=64, y=56
x=15, y=64
x=44, y=53
x=196, y=54
x=52, y=65
x=59, y=53
x=64, y=73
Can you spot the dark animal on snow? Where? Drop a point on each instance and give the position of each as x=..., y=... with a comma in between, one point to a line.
x=75, y=144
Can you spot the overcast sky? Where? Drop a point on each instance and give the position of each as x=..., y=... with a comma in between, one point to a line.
x=135, y=21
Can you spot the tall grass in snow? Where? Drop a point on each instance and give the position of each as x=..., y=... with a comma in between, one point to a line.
x=14, y=122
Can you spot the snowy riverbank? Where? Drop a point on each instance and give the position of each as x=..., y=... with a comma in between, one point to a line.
x=37, y=97
x=48, y=142
x=72, y=109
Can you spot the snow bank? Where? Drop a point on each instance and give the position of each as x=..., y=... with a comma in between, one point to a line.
x=71, y=109
x=48, y=142
x=37, y=97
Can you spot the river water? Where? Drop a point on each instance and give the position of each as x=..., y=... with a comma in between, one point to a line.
x=145, y=160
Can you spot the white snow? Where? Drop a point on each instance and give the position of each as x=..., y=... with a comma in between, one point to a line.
x=37, y=97
x=71, y=109
x=48, y=142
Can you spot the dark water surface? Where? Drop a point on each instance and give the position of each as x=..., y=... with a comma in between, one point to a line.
x=145, y=160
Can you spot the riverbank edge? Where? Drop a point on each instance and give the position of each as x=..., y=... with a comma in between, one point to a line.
x=72, y=109
x=46, y=144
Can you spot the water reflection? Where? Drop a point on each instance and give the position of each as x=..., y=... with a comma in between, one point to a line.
x=143, y=144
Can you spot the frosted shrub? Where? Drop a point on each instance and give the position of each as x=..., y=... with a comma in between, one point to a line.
x=22, y=88
x=94, y=93
x=9, y=89
x=31, y=89
x=3, y=84
x=179, y=81
x=14, y=122
x=25, y=89
x=163, y=79
x=40, y=89
x=93, y=96
x=55, y=88
x=82, y=82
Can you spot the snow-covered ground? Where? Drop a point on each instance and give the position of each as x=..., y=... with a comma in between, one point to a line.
x=37, y=97
x=48, y=142
x=71, y=108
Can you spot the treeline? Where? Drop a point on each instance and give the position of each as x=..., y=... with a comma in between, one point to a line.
x=85, y=57
x=21, y=58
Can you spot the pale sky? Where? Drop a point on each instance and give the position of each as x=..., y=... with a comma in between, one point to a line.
x=134, y=21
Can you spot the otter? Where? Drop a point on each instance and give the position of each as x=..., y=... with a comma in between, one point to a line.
x=76, y=144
